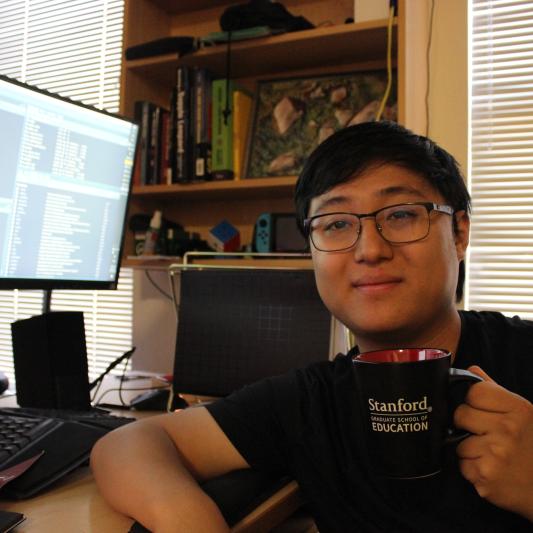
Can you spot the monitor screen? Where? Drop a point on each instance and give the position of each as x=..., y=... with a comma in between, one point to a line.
x=236, y=326
x=65, y=178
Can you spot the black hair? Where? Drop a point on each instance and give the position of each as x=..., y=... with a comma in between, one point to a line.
x=350, y=151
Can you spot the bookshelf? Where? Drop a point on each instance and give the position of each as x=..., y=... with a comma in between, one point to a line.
x=332, y=46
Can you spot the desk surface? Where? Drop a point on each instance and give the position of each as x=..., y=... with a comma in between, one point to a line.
x=73, y=506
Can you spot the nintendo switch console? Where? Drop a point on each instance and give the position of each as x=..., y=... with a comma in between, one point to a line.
x=278, y=232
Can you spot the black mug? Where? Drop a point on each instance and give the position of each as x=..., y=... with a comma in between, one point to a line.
x=405, y=397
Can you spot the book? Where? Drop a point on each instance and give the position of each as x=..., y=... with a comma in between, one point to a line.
x=153, y=152
x=164, y=147
x=242, y=110
x=253, y=32
x=136, y=179
x=143, y=111
x=172, y=134
x=222, y=128
x=202, y=123
x=182, y=169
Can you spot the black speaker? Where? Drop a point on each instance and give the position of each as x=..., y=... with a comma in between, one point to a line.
x=50, y=359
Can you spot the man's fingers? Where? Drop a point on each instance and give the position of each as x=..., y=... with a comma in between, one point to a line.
x=470, y=470
x=474, y=420
x=489, y=396
x=472, y=447
x=478, y=371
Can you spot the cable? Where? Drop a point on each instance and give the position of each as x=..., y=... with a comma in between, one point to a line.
x=227, y=109
x=156, y=286
x=428, y=63
x=99, y=380
x=389, y=65
x=124, y=368
x=132, y=389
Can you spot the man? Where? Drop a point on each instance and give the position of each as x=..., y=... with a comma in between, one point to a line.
x=387, y=217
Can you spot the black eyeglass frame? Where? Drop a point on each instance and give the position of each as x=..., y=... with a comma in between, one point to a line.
x=430, y=206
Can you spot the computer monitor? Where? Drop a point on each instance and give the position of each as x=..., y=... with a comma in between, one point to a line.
x=65, y=178
x=238, y=325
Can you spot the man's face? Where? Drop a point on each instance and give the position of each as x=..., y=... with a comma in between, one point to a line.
x=391, y=292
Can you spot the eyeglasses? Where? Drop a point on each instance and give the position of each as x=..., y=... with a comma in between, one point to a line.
x=397, y=224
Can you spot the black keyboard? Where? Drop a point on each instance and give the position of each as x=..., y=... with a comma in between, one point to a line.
x=94, y=416
x=66, y=438
x=17, y=432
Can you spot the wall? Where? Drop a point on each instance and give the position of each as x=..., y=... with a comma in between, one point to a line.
x=154, y=323
x=448, y=95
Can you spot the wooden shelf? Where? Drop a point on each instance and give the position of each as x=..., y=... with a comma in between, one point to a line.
x=241, y=189
x=331, y=47
x=156, y=263
x=320, y=47
x=163, y=264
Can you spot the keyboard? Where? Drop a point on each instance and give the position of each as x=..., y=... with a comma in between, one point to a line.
x=65, y=437
x=94, y=416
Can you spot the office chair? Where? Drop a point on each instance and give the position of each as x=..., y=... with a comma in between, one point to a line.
x=234, y=320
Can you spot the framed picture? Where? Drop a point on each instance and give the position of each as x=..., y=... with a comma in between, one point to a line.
x=293, y=116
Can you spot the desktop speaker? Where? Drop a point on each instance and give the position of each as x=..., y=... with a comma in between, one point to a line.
x=50, y=359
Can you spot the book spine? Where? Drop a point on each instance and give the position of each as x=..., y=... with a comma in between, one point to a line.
x=182, y=172
x=222, y=157
x=202, y=124
x=143, y=116
x=242, y=110
x=154, y=158
x=136, y=179
x=172, y=135
x=164, y=147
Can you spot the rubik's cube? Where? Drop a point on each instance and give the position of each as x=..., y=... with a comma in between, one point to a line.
x=224, y=237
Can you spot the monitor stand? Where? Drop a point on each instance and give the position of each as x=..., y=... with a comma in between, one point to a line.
x=47, y=300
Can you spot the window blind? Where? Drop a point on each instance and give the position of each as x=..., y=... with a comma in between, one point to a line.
x=500, y=263
x=74, y=48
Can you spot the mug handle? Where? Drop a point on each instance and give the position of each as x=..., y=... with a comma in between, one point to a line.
x=457, y=376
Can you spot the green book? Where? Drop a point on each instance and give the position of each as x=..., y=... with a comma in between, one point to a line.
x=222, y=127
x=238, y=35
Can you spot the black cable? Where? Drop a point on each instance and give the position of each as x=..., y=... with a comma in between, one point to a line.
x=156, y=286
x=428, y=63
x=117, y=389
x=99, y=379
x=227, y=111
x=122, y=381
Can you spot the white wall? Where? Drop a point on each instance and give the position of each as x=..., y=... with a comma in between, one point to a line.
x=154, y=323
x=448, y=95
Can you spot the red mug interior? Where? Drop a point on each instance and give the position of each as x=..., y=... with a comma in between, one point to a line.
x=402, y=355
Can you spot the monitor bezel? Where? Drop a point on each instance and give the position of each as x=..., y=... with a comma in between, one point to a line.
x=48, y=284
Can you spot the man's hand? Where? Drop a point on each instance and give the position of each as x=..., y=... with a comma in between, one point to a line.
x=498, y=457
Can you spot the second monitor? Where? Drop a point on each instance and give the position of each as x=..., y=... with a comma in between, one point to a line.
x=236, y=326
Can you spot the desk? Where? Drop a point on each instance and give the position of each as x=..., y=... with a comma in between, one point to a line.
x=74, y=505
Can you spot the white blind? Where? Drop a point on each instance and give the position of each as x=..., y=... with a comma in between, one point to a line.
x=74, y=48
x=500, y=266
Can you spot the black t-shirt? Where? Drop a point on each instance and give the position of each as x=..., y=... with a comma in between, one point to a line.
x=307, y=424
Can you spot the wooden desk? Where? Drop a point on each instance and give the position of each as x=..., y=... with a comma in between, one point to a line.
x=74, y=505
